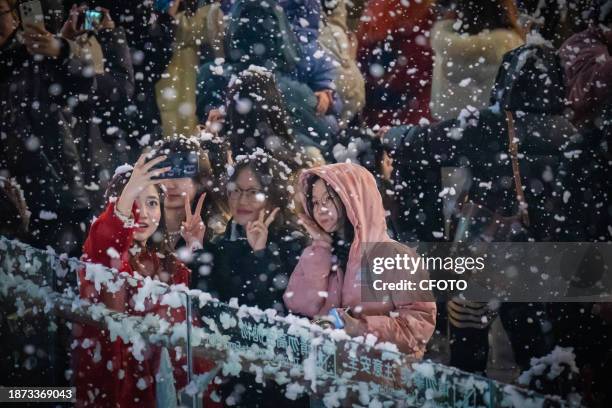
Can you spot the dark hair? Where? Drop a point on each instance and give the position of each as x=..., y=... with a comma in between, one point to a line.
x=276, y=182
x=207, y=180
x=349, y=231
x=478, y=16
x=158, y=242
x=256, y=117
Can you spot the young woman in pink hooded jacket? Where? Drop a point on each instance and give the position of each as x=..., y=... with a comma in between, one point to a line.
x=343, y=211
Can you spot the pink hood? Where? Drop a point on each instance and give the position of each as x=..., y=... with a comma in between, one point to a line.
x=314, y=288
x=357, y=189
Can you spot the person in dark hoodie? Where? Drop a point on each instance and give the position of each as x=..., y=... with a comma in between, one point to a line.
x=38, y=78
x=253, y=259
x=527, y=105
x=305, y=81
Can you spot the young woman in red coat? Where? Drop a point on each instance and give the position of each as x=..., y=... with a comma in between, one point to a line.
x=127, y=237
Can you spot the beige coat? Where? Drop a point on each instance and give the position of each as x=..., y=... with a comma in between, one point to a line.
x=334, y=37
x=175, y=92
x=465, y=67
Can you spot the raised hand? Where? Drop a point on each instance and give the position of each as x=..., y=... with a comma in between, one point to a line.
x=141, y=178
x=39, y=41
x=324, y=101
x=71, y=30
x=315, y=232
x=193, y=228
x=257, y=231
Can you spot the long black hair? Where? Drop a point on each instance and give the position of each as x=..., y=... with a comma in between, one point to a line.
x=349, y=231
x=158, y=242
x=257, y=117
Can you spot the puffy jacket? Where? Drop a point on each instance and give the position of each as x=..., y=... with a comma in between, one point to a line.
x=300, y=69
x=409, y=325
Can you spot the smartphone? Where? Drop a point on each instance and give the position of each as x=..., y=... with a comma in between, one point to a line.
x=92, y=19
x=183, y=165
x=31, y=13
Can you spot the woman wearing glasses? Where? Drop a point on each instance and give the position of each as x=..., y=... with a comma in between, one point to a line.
x=261, y=243
x=251, y=261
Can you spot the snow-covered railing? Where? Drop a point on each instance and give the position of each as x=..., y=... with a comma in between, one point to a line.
x=305, y=358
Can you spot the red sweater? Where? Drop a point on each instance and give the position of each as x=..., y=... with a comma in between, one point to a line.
x=107, y=372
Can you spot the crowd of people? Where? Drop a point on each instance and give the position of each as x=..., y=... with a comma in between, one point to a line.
x=318, y=126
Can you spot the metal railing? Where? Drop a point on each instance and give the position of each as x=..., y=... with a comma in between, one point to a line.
x=325, y=364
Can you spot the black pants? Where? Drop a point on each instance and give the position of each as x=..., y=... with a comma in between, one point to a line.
x=523, y=322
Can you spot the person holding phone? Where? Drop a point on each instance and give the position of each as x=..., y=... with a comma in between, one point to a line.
x=193, y=198
x=344, y=211
x=102, y=143
x=39, y=75
x=252, y=260
x=128, y=236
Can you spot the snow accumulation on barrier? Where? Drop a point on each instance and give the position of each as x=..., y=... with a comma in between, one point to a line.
x=290, y=350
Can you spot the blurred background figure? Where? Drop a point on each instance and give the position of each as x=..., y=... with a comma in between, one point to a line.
x=469, y=44
x=396, y=60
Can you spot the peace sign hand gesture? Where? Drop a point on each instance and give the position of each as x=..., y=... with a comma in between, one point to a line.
x=193, y=228
x=257, y=231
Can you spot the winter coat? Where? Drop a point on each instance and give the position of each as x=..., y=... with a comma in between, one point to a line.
x=465, y=67
x=587, y=63
x=100, y=123
x=176, y=90
x=228, y=268
x=413, y=324
x=350, y=85
x=111, y=370
x=37, y=146
x=300, y=70
x=530, y=85
x=396, y=61
x=151, y=42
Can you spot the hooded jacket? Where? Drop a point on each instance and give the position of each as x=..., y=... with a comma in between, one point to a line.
x=413, y=323
x=465, y=67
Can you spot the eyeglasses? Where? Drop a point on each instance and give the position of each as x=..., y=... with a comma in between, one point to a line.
x=251, y=195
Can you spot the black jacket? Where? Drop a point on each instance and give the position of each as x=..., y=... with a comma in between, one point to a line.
x=228, y=268
x=37, y=146
x=480, y=141
x=100, y=124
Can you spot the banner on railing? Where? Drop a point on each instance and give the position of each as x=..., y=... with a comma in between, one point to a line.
x=290, y=350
